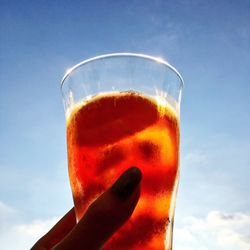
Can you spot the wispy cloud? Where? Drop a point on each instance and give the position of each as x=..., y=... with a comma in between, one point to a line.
x=6, y=215
x=29, y=188
x=193, y=159
x=5, y=210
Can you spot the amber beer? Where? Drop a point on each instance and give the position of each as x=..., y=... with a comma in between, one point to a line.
x=111, y=132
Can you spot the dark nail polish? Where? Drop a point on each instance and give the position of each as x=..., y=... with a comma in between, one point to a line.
x=127, y=183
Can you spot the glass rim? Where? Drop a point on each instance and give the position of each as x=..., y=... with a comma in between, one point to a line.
x=123, y=54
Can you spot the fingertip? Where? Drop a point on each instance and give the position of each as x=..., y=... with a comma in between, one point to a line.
x=126, y=184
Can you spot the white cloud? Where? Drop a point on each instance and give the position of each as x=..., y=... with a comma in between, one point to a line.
x=188, y=248
x=183, y=248
x=15, y=235
x=35, y=229
x=218, y=231
x=23, y=236
x=229, y=238
x=182, y=233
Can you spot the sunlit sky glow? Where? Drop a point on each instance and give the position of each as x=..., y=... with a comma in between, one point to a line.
x=207, y=41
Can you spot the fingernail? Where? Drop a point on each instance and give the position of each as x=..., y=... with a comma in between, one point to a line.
x=127, y=183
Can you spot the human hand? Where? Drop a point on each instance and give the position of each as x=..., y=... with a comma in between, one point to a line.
x=102, y=219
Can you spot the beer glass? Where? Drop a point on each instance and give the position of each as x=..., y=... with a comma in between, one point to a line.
x=123, y=110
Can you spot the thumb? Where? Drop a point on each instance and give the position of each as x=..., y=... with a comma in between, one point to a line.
x=106, y=215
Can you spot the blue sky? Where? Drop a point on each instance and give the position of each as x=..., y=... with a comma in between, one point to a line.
x=207, y=41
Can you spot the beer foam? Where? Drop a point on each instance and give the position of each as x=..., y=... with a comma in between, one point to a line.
x=165, y=104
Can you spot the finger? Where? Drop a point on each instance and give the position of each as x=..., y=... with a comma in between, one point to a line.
x=57, y=233
x=106, y=215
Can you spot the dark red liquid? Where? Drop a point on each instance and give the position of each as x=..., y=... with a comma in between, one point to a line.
x=106, y=136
